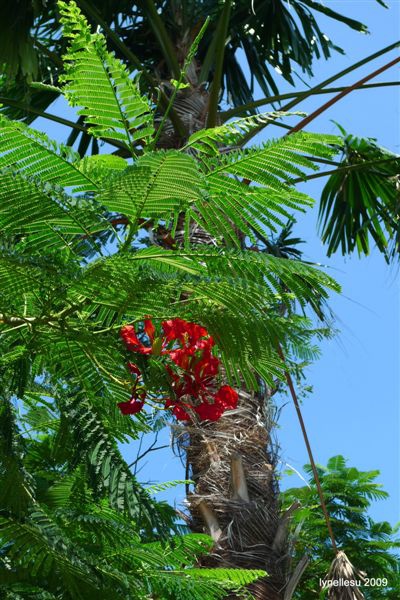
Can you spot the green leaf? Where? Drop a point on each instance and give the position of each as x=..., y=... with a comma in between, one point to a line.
x=32, y=153
x=95, y=80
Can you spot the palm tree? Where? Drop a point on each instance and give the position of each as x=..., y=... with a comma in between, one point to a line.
x=232, y=462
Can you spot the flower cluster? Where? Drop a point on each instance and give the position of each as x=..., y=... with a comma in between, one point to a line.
x=191, y=367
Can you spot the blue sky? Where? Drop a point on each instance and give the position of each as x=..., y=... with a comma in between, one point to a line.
x=354, y=407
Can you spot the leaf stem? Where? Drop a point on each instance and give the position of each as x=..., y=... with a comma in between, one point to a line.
x=365, y=165
x=41, y=113
x=188, y=60
x=238, y=110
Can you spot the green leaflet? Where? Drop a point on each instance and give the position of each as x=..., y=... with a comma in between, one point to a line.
x=151, y=188
x=17, y=489
x=42, y=216
x=236, y=576
x=31, y=153
x=277, y=160
x=209, y=141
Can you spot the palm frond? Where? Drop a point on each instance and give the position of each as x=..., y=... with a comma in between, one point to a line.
x=361, y=204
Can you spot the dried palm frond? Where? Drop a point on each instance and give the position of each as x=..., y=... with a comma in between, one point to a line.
x=344, y=579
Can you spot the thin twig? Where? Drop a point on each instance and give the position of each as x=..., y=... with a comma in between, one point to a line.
x=341, y=95
x=309, y=451
x=237, y=111
x=346, y=168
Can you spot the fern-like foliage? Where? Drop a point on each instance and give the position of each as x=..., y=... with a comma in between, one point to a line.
x=212, y=141
x=17, y=487
x=97, y=81
x=32, y=154
x=70, y=547
x=60, y=313
x=208, y=193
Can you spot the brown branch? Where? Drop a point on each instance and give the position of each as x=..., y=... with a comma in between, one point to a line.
x=341, y=95
x=309, y=451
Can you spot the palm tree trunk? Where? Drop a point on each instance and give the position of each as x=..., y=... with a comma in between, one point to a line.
x=236, y=495
x=235, y=499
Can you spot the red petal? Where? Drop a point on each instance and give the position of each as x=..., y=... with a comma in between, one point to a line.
x=173, y=329
x=206, y=367
x=130, y=408
x=227, y=397
x=134, y=369
x=180, y=413
x=211, y=412
x=180, y=358
x=130, y=339
x=205, y=344
x=149, y=329
x=128, y=335
x=178, y=329
x=195, y=332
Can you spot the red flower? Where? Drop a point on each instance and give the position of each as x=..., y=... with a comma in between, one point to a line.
x=183, y=331
x=131, y=407
x=131, y=340
x=189, y=347
x=227, y=397
x=212, y=412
